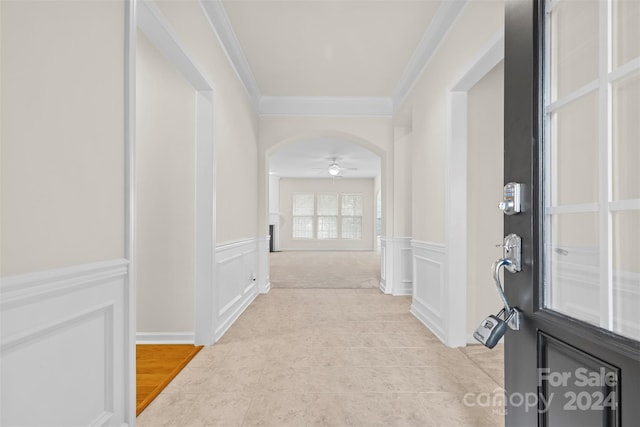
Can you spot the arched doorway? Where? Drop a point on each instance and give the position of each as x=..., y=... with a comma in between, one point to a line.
x=322, y=204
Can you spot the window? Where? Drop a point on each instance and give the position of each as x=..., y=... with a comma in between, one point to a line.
x=592, y=183
x=327, y=216
x=351, y=216
x=303, y=213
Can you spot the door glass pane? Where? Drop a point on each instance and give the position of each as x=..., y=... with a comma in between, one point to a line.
x=574, y=152
x=626, y=137
x=626, y=273
x=574, y=45
x=573, y=260
x=626, y=31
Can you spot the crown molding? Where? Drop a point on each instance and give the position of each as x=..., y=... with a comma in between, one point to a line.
x=441, y=23
x=325, y=106
x=219, y=21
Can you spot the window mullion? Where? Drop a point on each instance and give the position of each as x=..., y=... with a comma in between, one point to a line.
x=605, y=169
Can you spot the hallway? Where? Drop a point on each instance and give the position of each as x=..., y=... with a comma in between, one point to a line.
x=318, y=269
x=311, y=357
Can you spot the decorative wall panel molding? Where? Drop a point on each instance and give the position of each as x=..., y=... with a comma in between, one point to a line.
x=429, y=303
x=396, y=266
x=240, y=276
x=63, y=346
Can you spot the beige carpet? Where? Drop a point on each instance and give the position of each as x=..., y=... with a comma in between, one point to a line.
x=331, y=357
x=351, y=270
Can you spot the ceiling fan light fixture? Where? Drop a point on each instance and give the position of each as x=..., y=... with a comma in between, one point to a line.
x=334, y=170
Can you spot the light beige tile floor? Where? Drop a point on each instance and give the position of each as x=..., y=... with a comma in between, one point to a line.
x=331, y=357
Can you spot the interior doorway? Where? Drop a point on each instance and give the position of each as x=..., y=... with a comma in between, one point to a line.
x=323, y=211
x=198, y=175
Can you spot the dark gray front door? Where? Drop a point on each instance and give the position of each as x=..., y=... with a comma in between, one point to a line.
x=572, y=136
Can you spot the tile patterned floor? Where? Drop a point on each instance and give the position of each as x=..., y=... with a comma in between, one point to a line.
x=331, y=357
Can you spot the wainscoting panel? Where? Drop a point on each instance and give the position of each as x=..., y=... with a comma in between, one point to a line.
x=264, y=276
x=396, y=273
x=238, y=269
x=64, y=346
x=429, y=279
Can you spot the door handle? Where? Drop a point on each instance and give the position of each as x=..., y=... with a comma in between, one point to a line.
x=493, y=327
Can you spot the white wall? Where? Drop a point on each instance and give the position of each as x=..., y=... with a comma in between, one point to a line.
x=165, y=192
x=62, y=134
x=402, y=185
x=235, y=124
x=433, y=145
x=289, y=186
x=65, y=345
x=479, y=22
x=484, y=192
x=373, y=133
x=241, y=253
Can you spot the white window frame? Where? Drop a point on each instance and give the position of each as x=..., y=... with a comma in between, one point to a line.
x=295, y=216
x=352, y=217
x=322, y=216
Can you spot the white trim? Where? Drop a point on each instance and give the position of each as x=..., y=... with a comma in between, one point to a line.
x=573, y=96
x=264, y=283
x=165, y=338
x=325, y=106
x=429, y=246
x=130, y=300
x=231, y=244
x=219, y=21
x=432, y=313
x=205, y=205
x=152, y=22
x=624, y=205
x=480, y=66
x=43, y=308
x=624, y=70
x=229, y=321
x=456, y=192
x=239, y=279
x=395, y=259
x=440, y=25
x=25, y=288
x=432, y=39
x=156, y=27
x=572, y=209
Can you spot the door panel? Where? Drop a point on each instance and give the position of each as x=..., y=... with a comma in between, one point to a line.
x=579, y=260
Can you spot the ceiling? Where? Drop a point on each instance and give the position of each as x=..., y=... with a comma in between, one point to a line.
x=298, y=160
x=325, y=48
x=298, y=54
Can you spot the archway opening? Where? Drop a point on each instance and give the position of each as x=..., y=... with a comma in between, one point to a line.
x=323, y=214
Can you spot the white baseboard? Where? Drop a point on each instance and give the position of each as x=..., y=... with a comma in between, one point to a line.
x=266, y=288
x=421, y=313
x=383, y=287
x=402, y=292
x=165, y=338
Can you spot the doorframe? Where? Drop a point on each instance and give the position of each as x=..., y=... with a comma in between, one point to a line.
x=144, y=15
x=456, y=191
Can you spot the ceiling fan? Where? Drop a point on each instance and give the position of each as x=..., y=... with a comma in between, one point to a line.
x=335, y=169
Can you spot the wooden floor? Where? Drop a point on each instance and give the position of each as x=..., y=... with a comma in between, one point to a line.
x=156, y=366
